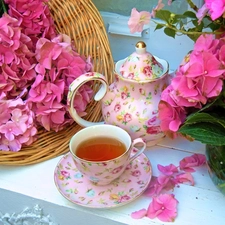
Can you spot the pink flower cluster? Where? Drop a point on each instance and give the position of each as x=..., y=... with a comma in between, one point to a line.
x=35, y=18
x=17, y=124
x=58, y=65
x=16, y=60
x=36, y=67
x=164, y=205
x=198, y=80
x=215, y=8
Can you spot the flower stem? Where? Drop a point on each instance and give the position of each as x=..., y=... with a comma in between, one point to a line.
x=187, y=32
x=192, y=5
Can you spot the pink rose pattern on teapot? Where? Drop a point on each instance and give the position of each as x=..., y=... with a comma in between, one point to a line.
x=146, y=69
x=133, y=106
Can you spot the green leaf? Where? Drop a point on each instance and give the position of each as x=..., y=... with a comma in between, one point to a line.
x=3, y=7
x=215, y=102
x=163, y=15
x=207, y=21
x=198, y=27
x=192, y=36
x=190, y=14
x=178, y=16
x=170, y=32
x=214, y=26
x=205, y=117
x=219, y=102
x=181, y=24
x=159, y=26
x=206, y=133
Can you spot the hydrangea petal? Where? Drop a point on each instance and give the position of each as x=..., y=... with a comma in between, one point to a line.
x=163, y=207
x=139, y=214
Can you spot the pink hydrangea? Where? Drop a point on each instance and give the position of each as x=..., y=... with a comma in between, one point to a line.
x=197, y=81
x=168, y=170
x=139, y=214
x=57, y=67
x=195, y=160
x=171, y=118
x=36, y=68
x=164, y=204
x=35, y=18
x=163, y=207
x=216, y=8
x=17, y=126
x=17, y=67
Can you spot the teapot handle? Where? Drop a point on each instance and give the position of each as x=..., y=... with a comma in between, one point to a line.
x=73, y=88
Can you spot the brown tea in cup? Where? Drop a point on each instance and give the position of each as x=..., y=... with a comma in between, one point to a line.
x=101, y=148
x=102, y=152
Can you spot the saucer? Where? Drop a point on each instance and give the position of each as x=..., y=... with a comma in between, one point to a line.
x=79, y=190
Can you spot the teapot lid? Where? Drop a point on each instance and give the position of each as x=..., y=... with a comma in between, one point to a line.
x=141, y=65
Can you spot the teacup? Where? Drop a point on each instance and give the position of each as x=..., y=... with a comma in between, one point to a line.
x=102, y=152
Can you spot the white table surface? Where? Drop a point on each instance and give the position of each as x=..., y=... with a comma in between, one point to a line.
x=201, y=204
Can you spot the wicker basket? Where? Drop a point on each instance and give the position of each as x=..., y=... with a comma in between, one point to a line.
x=82, y=22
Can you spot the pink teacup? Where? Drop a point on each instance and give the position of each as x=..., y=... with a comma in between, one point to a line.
x=99, y=171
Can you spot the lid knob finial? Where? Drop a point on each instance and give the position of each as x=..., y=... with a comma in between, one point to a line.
x=140, y=65
x=140, y=47
x=140, y=44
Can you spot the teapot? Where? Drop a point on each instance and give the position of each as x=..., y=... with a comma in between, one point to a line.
x=131, y=101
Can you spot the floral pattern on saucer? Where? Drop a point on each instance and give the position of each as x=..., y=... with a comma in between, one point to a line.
x=79, y=190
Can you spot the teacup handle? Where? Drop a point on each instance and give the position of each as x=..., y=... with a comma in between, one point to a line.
x=139, y=150
x=73, y=88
